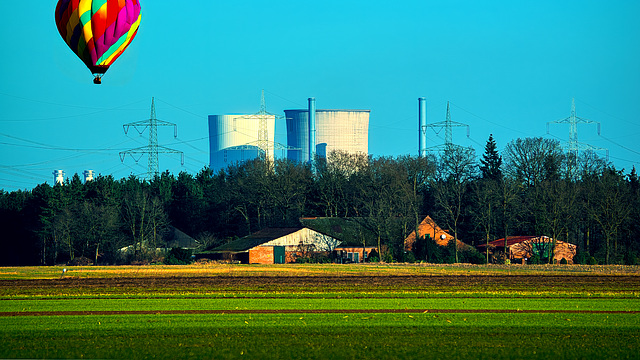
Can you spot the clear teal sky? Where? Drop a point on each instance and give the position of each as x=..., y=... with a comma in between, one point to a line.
x=508, y=68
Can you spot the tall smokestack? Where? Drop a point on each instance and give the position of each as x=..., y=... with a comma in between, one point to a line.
x=422, y=127
x=312, y=129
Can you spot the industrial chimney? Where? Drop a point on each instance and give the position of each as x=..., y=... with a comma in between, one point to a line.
x=422, y=127
x=312, y=129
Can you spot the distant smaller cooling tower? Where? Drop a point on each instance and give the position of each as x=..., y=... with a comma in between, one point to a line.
x=58, y=177
x=88, y=175
x=346, y=130
x=236, y=138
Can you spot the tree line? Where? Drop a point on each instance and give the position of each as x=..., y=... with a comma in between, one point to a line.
x=532, y=187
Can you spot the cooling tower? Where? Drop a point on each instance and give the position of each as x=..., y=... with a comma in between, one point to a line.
x=88, y=175
x=235, y=138
x=346, y=130
x=58, y=177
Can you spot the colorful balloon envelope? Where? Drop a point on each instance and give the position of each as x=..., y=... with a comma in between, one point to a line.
x=98, y=31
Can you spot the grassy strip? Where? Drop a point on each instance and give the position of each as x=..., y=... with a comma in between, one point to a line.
x=318, y=304
x=310, y=270
x=325, y=336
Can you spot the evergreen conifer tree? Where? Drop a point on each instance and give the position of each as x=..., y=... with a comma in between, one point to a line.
x=491, y=161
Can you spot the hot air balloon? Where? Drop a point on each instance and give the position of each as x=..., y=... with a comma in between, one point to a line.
x=98, y=31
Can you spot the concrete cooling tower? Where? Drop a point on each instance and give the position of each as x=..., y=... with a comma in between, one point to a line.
x=238, y=138
x=346, y=130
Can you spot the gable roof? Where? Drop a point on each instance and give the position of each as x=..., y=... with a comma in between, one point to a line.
x=178, y=239
x=348, y=230
x=256, y=239
x=429, y=227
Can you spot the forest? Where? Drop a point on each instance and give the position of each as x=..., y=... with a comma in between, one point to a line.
x=531, y=187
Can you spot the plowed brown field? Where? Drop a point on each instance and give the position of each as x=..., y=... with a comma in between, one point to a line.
x=368, y=283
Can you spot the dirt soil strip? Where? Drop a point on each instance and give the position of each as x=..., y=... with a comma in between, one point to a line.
x=318, y=311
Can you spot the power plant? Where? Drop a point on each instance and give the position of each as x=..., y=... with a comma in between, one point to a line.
x=88, y=175
x=235, y=138
x=241, y=137
x=58, y=176
x=313, y=131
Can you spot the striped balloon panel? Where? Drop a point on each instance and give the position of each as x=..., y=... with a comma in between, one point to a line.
x=98, y=31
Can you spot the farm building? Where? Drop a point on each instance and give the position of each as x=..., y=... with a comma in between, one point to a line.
x=176, y=238
x=522, y=248
x=358, y=241
x=354, y=254
x=172, y=238
x=273, y=246
x=429, y=227
x=350, y=231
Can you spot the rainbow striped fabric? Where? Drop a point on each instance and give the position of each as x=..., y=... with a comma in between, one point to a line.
x=98, y=31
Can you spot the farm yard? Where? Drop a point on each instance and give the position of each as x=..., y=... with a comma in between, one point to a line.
x=321, y=312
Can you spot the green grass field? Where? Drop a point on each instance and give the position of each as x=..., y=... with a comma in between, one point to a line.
x=386, y=312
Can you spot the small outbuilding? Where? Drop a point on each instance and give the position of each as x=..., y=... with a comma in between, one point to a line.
x=354, y=254
x=523, y=248
x=273, y=246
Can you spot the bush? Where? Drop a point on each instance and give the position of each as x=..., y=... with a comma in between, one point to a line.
x=313, y=258
x=631, y=259
x=592, y=261
x=581, y=258
x=471, y=256
x=534, y=259
x=80, y=261
x=373, y=256
x=409, y=257
x=179, y=256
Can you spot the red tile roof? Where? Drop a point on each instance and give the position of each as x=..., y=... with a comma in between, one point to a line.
x=511, y=240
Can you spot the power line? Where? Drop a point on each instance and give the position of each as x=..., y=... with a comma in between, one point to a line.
x=489, y=121
x=100, y=111
x=609, y=114
x=622, y=146
x=183, y=110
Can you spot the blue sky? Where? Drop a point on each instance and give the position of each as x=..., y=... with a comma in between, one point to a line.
x=507, y=67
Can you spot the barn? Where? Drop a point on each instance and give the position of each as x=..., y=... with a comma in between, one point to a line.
x=522, y=248
x=273, y=246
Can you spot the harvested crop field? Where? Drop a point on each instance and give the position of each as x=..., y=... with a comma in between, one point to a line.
x=623, y=283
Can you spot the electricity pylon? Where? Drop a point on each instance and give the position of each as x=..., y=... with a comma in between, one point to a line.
x=263, y=143
x=153, y=148
x=447, y=125
x=573, y=146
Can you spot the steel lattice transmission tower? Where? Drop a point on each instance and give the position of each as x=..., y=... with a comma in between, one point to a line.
x=448, y=126
x=266, y=145
x=153, y=148
x=573, y=146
